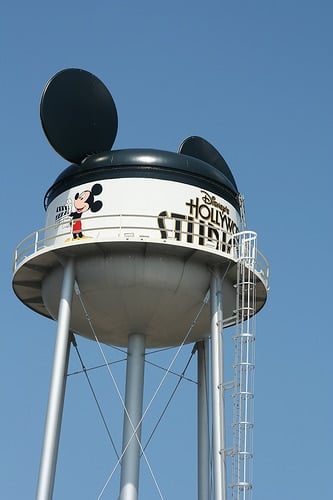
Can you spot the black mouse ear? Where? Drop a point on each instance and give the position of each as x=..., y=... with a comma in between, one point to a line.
x=78, y=114
x=96, y=206
x=96, y=189
x=200, y=148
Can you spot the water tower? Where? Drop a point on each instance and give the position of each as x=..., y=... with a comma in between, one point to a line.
x=135, y=241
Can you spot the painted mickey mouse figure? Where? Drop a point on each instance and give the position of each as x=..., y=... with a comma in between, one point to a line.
x=82, y=203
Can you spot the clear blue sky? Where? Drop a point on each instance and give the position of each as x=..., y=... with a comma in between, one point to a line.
x=253, y=78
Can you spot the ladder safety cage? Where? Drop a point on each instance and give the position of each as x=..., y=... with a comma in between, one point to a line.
x=244, y=364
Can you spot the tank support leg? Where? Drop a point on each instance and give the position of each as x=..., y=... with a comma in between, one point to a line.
x=203, y=421
x=129, y=481
x=57, y=389
x=218, y=418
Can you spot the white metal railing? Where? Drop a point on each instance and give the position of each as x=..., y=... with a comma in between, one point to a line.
x=134, y=227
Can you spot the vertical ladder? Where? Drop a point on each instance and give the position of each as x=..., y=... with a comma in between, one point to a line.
x=244, y=362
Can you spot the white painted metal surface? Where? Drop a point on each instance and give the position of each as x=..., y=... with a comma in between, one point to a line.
x=140, y=264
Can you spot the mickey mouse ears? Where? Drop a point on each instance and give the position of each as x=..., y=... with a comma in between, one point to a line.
x=198, y=147
x=78, y=115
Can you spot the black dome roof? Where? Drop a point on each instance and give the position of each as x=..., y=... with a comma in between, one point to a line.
x=146, y=163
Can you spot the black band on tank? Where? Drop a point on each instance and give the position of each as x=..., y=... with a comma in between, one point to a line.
x=145, y=163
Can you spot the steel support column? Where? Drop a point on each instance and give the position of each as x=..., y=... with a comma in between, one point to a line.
x=218, y=418
x=203, y=421
x=57, y=389
x=130, y=466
